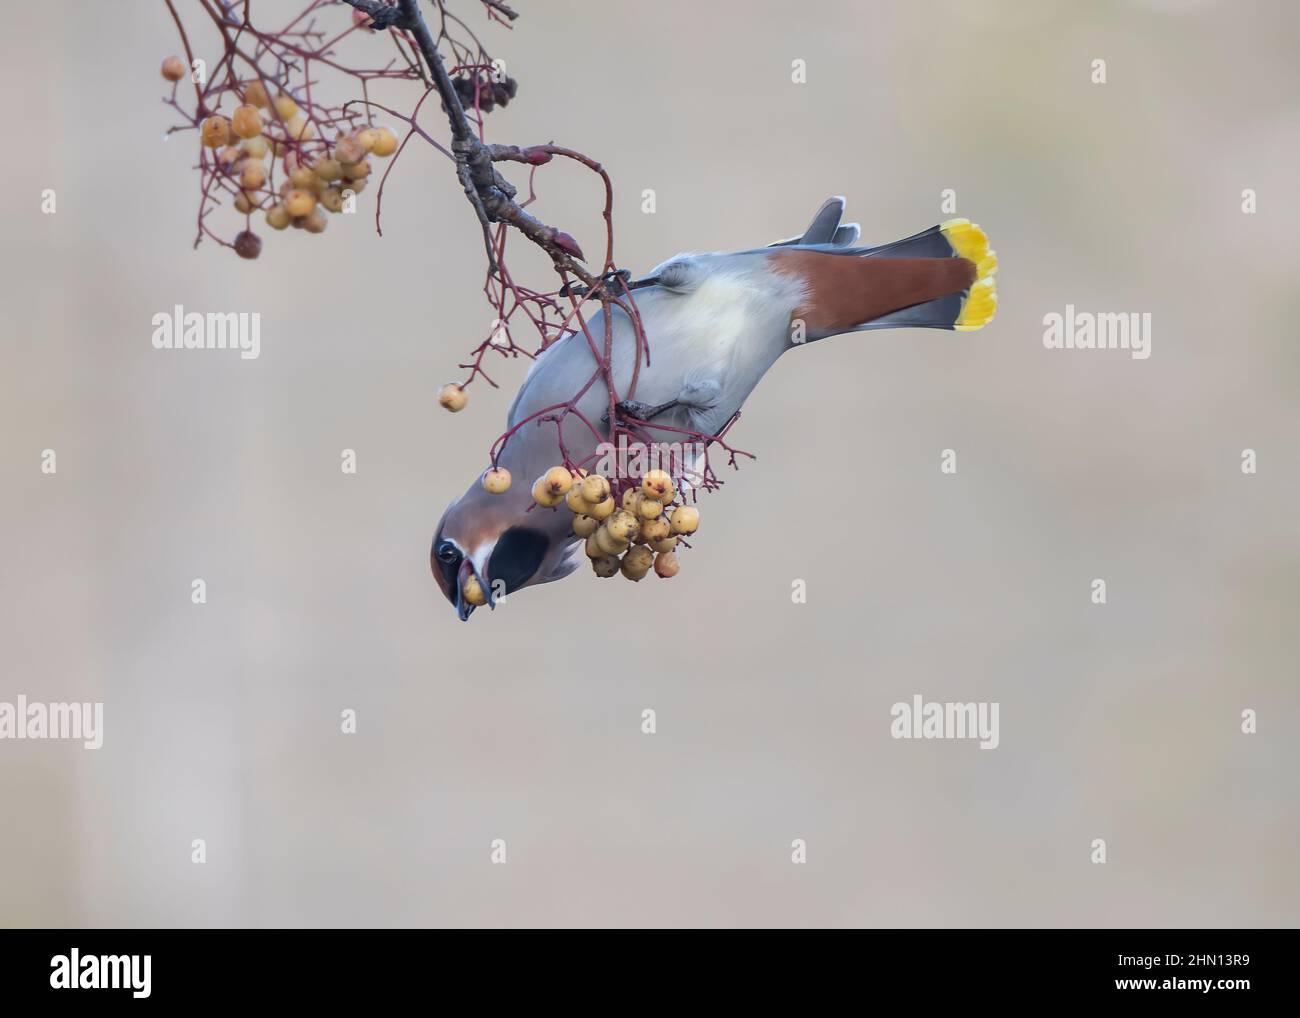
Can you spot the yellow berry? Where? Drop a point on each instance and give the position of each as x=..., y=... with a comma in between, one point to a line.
x=246, y=121
x=496, y=480
x=584, y=526
x=356, y=171
x=299, y=202
x=328, y=169
x=595, y=489
x=649, y=509
x=348, y=150
x=658, y=485
x=472, y=591
x=602, y=509
x=666, y=564
x=173, y=68
x=558, y=480
x=315, y=222
x=253, y=177
x=622, y=525
x=299, y=128
x=332, y=199
x=304, y=179
x=254, y=148
x=576, y=502
x=368, y=136
x=655, y=530
x=632, y=498
x=385, y=144
x=215, y=131
x=592, y=546
x=284, y=105
x=667, y=544
x=608, y=543
x=544, y=496
x=244, y=202
x=685, y=520
x=452, y=397
x=277, y=217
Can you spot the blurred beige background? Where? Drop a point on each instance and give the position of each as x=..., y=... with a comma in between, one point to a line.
x=1119, y=722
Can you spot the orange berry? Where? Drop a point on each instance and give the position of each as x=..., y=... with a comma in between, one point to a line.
x=173, y=68
x=246, y=121
x=452, y=397
x=253, y=177
x=255, y=94
x=215, y=131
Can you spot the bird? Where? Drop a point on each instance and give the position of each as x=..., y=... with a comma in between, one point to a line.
x=715, y=324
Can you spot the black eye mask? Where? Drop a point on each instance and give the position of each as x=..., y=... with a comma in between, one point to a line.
x=516, y=557
x=445, y=560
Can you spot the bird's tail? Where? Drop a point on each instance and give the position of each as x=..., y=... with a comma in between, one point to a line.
x=942, y=278
x=966, y=310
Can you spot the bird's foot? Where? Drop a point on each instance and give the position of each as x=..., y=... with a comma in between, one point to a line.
x=635, y=410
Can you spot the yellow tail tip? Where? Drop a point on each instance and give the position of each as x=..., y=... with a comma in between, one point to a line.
x=979, y=307
x=970, y=242
x=966, y=238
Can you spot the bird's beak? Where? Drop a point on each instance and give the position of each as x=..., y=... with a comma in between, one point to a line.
x=463, y=608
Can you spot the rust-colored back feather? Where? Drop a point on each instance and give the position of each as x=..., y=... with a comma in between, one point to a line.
x=846, y=291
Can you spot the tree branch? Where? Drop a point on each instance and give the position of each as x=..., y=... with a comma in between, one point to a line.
x=490, y=194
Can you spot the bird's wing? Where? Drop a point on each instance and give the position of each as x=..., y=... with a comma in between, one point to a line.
x=826, y=228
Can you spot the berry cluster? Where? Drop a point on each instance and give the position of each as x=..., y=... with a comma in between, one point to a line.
x=317, y=177
x=484, y=86
x=633, y=537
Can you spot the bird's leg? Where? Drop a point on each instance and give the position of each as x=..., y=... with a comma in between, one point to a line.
x=635, y=410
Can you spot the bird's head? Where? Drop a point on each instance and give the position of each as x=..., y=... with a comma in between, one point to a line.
x=497, y=542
